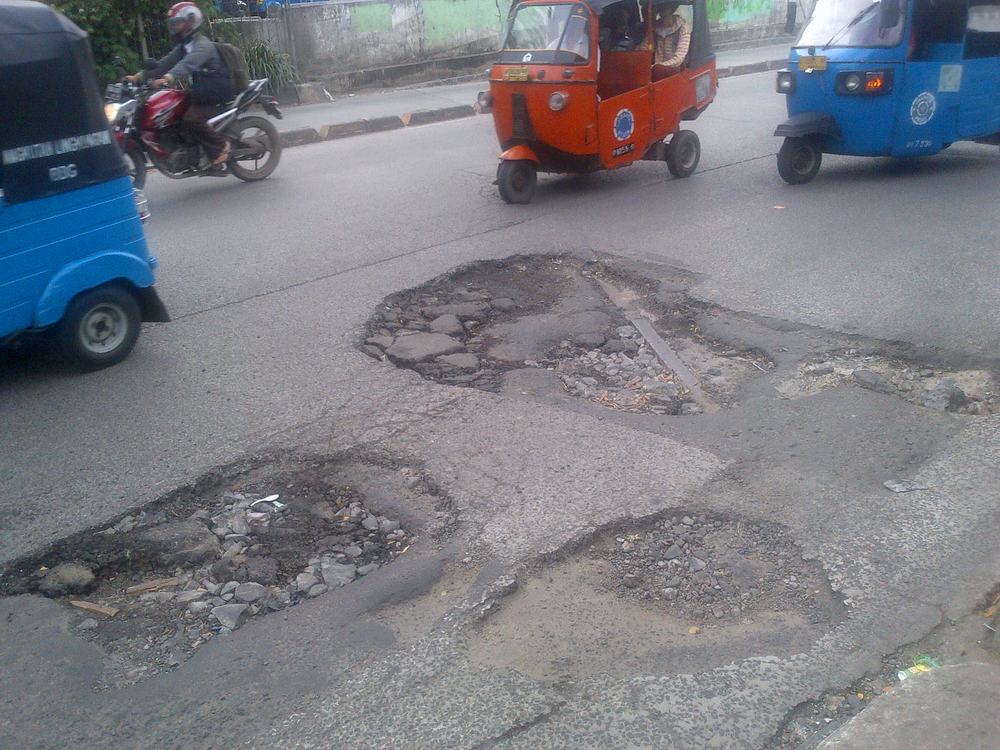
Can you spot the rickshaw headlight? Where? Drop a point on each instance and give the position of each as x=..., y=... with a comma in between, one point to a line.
x=786, y=82
x=111, y=111
x=852, y=82
x=558, y=101
x=865, y=83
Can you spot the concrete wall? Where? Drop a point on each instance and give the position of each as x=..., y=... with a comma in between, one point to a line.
x=336, y=37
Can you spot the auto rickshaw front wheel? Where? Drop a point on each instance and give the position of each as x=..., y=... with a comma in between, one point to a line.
x=799, y=160
x=683, y=153
x=100, y=327
x=517, y=180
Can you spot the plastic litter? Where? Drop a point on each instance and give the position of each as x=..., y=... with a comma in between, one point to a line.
x=921, y=663
x=904, y=485
x=273, y=499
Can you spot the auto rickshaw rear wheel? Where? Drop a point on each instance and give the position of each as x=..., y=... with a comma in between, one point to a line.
x=100, y=327
x=799, y=160
x=683, y=153
x=517, y=180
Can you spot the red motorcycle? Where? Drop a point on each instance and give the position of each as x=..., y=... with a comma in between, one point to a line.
x=147, y=124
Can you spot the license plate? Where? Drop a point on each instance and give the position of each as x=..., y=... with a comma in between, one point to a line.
x=515, y=74
x=816, y=62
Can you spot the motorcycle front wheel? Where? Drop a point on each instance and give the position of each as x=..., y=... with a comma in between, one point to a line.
x=256, y=148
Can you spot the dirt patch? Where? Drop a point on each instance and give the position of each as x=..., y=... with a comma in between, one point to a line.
x=680, y=590
x=971, y=391
x=480, y=325
x=158, y=584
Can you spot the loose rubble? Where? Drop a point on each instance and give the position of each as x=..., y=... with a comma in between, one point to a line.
x=164, y=587
x=971, y=392
x=714, y=571
x=452, y=330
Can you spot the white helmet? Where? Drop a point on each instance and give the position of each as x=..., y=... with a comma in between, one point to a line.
x=183, y=19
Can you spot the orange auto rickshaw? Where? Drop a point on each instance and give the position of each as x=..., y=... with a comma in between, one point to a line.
x=575, y=89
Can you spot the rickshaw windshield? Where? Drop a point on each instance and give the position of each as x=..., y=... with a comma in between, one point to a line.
x=850, y=23
x=558, y=33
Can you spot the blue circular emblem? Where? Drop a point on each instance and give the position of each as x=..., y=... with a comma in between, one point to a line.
x=624, y=124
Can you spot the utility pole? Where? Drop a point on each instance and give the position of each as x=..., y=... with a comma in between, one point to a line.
x=291, y=37
x=141, y=28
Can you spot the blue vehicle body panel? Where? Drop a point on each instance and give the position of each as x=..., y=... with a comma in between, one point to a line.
x=933, y=102
x=53, y=248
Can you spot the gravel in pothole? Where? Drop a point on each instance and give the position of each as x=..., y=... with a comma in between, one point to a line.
x=152, y=590
x=961, y=391
x=558, y=317
x=713, y=571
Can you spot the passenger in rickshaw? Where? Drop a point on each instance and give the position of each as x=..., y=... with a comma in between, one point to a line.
x=622, y=28
x=672, y=37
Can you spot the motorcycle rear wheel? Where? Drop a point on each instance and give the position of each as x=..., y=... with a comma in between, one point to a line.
x=256, y=148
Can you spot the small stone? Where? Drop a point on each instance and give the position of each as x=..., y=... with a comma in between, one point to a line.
x=387, y=525
x=337, y=574
x=229, y=615
x=449, y=324
x=687, y=521
x=370, y=523
x=250, y=592
x=196, y=608
x=631, y=581
x=156, y=597
x=690, y=408
x=464, y=362
x=669, y=593
x=926, y=373
x=714, y=371
x=229, y=589
x=625, y=331
x=186, y=597
x=382, y=342
x=619, y=345
x=948, y=396
x=238, y=523
x=674, y=582
x=319, y=588
x=590, y=340
x=89, y=624
x=818, y=370
x=366, y=569
x=873, y=381
x=305, y=581
x=694, y=565
x=353, y=551
x=67, y=578
x=422, y=347
x=373, y=351
x=673, y=552
x=504, y=304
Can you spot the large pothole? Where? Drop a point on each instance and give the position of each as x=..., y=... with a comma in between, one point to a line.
x=532, y=323
x=683, y=592
x=158, y=584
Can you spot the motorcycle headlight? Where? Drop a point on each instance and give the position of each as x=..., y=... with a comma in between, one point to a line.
x=111, y=111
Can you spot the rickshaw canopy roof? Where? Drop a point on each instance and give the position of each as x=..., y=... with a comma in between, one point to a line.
x=55, y=136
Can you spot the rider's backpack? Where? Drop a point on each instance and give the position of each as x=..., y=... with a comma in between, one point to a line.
x=236, y=64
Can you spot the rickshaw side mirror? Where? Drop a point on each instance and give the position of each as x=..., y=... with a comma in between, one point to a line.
x=889, y=13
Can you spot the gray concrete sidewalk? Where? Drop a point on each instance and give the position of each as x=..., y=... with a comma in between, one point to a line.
x=951, y=707
x=453, y=100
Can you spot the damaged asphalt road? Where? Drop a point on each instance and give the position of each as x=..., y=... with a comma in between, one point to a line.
x=531, y=471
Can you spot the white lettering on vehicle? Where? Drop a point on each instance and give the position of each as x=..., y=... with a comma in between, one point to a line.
x=65, y=172
x=55, y=148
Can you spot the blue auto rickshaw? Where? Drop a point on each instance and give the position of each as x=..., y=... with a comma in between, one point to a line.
x=897, y=78
x=73, y=256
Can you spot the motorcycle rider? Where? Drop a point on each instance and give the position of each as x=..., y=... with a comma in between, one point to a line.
x=195, y=61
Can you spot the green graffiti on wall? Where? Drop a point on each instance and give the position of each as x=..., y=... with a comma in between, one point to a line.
x=371, y=17
x=737, y=11
x=449, y=20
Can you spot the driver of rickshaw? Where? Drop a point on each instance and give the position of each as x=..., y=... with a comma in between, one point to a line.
x=672, y=37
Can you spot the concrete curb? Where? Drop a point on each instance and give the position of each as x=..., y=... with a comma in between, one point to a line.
x=304, y=136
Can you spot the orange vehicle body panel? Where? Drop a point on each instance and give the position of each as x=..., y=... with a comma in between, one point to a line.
x=598, y=94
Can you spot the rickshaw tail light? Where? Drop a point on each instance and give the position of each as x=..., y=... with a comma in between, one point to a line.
x=786, y=82
x=875, y=82
x=558, y=101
